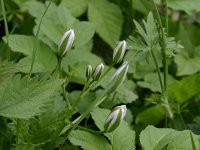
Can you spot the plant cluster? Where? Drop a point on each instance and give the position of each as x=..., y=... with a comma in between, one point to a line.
x=99, y=75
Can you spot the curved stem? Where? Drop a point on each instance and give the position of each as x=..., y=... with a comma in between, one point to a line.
x=63, y=85
x=94, y=104
x=165, y=64
x=84, y=92
x=6, y=28
x=158, y=70
x=36, y=39
x=90, y=130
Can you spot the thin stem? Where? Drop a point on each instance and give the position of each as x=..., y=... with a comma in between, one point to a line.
x=166, y=17
x=94, y=104
x=88, y=89
x=36, y=39
x=165, y=63
x=163, y=48
x=6, y=28
x=63, y=85
x=90, y=130
x=60, y=67
x=158, y=70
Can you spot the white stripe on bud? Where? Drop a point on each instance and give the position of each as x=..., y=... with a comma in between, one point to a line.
x=89, y=71
x=115, y=118
x=66, y=42
x=118, y=77
x=97, y=72
x=119, y=52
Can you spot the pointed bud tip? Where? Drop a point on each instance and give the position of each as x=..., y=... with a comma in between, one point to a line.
x=119, y=52
x=66, y=42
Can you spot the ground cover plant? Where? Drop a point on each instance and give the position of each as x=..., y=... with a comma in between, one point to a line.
x=99, y=75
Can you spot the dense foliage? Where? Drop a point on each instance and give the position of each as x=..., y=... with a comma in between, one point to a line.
x=94, y=94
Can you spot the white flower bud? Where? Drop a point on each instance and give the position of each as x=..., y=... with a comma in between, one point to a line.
x=118, y=77
x=98, y=71
x=66, y=42
x=89, y=71
x=115, y=118
x=119, y=52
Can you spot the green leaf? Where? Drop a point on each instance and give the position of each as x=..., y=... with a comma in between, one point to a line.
x=7, y=69
x=81, y=37
x=48, y=124
x=88, y=141
x=45, y=59
x=24, y=97
x=79, y=59
x=122, y=137
x=185, y=5
x=77, y=7
x=151, y=82
x=108, y=20
x=152, y=138
x=30, y=7
x=150, y=116
x=187, y=65
x=185, y=89
x=188, y=59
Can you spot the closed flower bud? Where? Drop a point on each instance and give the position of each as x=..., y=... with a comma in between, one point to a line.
x=66, y=42
x=98, y=71
x=119, y=52
x=115, y=118
x=118, y=77
x=89, y=71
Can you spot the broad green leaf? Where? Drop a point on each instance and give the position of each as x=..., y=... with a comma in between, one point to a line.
x=45, y=59
x=24, y=97
x=122, y=137
x=81, y=37
x=30, y=7
x=48, y=124
x=77, y=7
x=151, y=81
x=188, y=59
x=7, y=70
x=40, y=130
x=124, y=95
x=142, y=6
x=185, y=5
x=88, y=141
x=187, y=65
x=185, y=89
x=108, y=20
x=152, y=138
x=150, y=116
x=53, y=30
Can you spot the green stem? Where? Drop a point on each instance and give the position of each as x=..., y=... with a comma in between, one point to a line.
x=158, y=70
x=163, y=48
x=94, y=104
x=165, y=64
x=36, y=39
x=60, y=67
x=6, y=28
x=88, y=89
x=90, y=130
x=166, y=17
x=63, y=85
